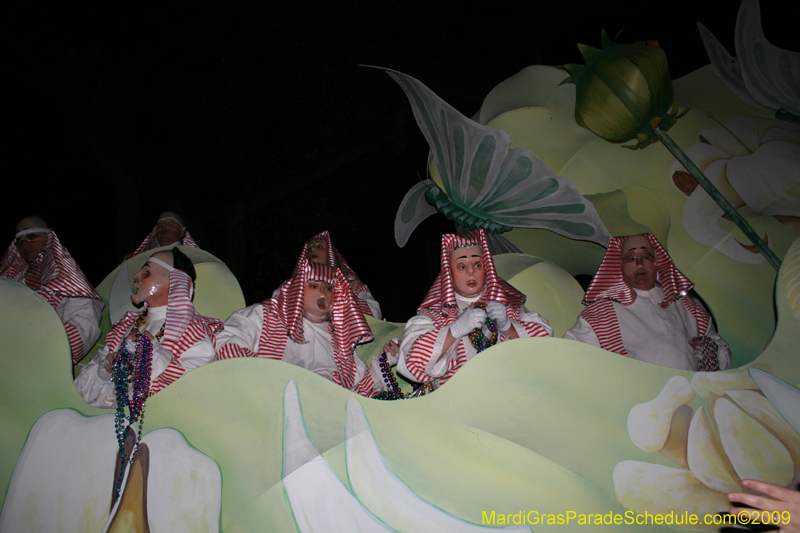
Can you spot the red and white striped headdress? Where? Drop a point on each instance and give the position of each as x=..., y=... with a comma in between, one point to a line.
x=608, y=283
x=348, y=321
x=54, y=274
x=151, y=242
x=609, y=286
x=283, y=319
x=183, y=327
x=334, y=259
x=441, y=293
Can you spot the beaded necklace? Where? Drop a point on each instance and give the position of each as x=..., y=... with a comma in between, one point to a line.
x=131, y=369
x=479, y=340
x=393, y=388
x=707, y=356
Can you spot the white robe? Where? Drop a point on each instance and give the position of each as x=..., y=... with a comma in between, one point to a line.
x=437, y=368
x=81, y=313
x=656, y=335
x=94, y=382
x=244, y=328
x=84, y=315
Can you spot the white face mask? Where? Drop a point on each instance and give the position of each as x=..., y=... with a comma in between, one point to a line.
x=149, y=282
x=317, y=301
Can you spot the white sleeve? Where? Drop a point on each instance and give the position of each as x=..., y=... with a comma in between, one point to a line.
x=427, y=355
x=94, y=382
x=582, y=332
x=161, y=360
x=243, y=328
x=199, y=354
x=531, y=317
x=84, y=315
x=373, y=304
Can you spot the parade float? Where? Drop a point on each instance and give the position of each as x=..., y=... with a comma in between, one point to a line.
x=534, y=434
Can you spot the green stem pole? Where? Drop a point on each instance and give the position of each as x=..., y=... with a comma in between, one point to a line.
x=723, y=202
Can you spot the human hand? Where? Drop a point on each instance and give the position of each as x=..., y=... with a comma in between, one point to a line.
x=470, y=319
x=783, y=507
x=499, y=313
x=392, y=351
x=109, y=364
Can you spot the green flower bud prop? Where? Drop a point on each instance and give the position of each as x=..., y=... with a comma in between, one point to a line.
x=624, y=92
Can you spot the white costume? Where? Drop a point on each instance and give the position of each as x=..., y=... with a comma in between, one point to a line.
x=187, y=343
x=276, y=329
x=425, y=334
x=56, y=277
x=654, y=325
x=654, y=334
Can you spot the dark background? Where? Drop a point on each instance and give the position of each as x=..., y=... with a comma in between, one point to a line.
x=256, y=124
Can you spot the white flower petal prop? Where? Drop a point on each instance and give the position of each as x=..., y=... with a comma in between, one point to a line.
x=751, y=441
x=649, y=423
x=65, y=476
x=783, y=396
x=737, y=138
x=760, y=409
x=719, y=383
x=706, y=457
x=317, y=496
x=769, y=179
x=184, y=486
x=790, y=279
x=754, y=452
x=701, y=219
x=646, y=487
x=383, y=493
x=757, y=167
x=762, y=73
x=486, y=183
x=63, y=447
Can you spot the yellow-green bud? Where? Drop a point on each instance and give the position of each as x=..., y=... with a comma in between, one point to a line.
x=624, y=91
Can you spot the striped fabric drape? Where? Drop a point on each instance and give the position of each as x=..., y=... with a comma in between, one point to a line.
x=609, y=286
x=54, y=275
x=441, y=293
x=336, y=260
x=283, y=319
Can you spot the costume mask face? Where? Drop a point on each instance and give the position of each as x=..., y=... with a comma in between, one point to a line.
x=168, y=231
x=31, y=245
x=639, y=263
x=317, y=301
x=466, y=269
x=151, y=284
x=317, y=252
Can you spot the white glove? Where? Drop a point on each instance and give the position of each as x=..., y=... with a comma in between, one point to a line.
x=469, y=320
x=392, y=351
x=499, y=314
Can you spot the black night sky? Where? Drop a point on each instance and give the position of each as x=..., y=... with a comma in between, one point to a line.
x=256, y=124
